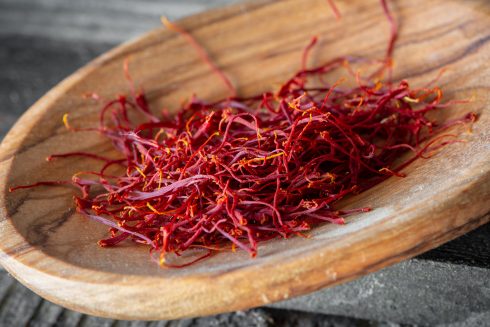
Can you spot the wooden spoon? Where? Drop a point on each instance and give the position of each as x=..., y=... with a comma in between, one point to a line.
x=54, y=252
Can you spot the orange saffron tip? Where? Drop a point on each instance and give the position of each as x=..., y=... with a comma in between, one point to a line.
x=126, y=68
x=140, y=171
x=409, y=99
x=65, y=121
x=168, y=24
x=473, y=97
x=265, y=158
x=387, y=170
x=153, y=209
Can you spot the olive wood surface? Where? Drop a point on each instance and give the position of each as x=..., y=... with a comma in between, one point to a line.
x=53, y=251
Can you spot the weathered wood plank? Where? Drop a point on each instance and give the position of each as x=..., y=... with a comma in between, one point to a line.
x=68, y=318
x=93, y=20
x=123, y=323
x=46, y=315
x=6, y=285
x=158, y=324
x=415, y=291
x=19, y=306
x=91, y=321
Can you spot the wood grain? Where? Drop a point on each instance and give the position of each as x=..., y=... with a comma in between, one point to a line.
x=54, y=253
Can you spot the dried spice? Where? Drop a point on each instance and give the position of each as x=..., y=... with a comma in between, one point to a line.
x=236, y=172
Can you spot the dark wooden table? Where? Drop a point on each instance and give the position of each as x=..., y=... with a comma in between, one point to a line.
x=43, y=41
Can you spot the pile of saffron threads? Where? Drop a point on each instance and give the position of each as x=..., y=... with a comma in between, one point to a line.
x=233, y=173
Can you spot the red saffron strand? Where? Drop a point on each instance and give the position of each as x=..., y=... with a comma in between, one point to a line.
x=334, y=8
x=43, y=183
x=307, y=52
x=393, y=31
x=79, y=154
x=201, y=52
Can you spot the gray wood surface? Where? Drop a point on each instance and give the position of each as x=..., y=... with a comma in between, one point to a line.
x=42, y=41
